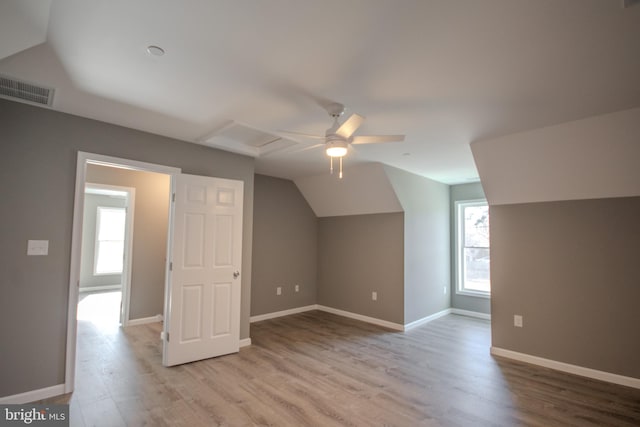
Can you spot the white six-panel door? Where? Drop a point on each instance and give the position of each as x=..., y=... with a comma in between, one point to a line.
x=202, y=314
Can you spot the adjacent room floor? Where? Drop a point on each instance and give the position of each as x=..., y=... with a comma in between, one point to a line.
x=320, y=369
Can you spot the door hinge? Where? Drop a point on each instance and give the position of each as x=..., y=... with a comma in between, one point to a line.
x=167, y=335
x=173, y=197
x=170, y=266
x=164, y=336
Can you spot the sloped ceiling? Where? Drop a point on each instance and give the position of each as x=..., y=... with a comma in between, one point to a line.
x=23, y=24
x=443, y=72
x=365, y=189
x=592, y=158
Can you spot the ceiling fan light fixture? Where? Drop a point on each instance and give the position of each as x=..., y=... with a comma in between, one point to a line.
x=336, y=151
x=336, y=148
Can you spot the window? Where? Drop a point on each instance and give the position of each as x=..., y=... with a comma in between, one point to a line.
x=472, y=256
x=109, y=240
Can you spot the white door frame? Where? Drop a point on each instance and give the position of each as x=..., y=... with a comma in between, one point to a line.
x=125, y=284
x=76, y=243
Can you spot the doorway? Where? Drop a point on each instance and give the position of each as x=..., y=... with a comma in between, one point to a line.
x=93, y=172
x=200, y=287
x=105, y=268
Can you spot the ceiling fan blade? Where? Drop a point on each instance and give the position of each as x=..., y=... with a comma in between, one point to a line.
x=304, y=135
x=350, y=125
x=376, y=139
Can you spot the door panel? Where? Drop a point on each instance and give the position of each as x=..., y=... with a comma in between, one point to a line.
x=223, y=256
x=191, y=313
x=202, y=314
x=221, y=315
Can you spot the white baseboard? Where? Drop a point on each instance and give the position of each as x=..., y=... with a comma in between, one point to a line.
x=373, y=320
x=100, y=288
x=245, y=342
x=145, y=320
x=566, y=367
x=427, y=319
x=363, y=318
x=275, y=314
x=469, y=313
x=33, y=395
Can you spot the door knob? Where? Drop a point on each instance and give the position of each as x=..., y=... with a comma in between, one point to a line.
x=236, y=274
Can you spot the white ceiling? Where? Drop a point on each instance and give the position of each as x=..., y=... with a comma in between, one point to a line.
x=443, y=72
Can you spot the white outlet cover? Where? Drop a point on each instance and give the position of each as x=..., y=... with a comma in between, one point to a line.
x=374, y=296
x=279, y=290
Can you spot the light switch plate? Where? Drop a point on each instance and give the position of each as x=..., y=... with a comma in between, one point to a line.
x=38, y=247
x=517, y=321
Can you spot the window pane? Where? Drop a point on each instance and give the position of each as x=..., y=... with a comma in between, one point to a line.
x=110, y=257
x=476, y=269
x=111, y=224
x=476, y=226
x=110, y=240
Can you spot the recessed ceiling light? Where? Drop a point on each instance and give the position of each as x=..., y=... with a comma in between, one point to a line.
x=155, y=50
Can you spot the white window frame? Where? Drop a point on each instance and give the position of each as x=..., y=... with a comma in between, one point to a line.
x=459, y=258
x=97, y=241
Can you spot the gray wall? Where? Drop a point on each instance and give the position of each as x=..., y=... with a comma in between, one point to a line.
x=358, y=254
x=38, y=152
x=91, y=204
x=464, y=302
x=150, y=224
x=426, y=243
x=571, y=269
x=285, y=242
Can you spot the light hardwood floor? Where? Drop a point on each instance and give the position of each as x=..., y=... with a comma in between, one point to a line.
x=319, y=369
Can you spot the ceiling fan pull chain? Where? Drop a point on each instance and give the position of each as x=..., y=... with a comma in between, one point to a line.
x=340, y=176
x=331, y=163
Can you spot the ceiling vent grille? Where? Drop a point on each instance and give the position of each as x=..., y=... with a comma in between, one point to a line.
x=19, y=90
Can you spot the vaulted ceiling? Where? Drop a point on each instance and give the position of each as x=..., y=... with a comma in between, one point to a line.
x=443, y=72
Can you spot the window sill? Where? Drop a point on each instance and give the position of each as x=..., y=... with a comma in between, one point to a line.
x=474, y=294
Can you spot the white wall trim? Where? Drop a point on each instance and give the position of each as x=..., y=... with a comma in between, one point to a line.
x=362, y=318
x=33, y=395
x=566, y=367
x=427, y=319
x=261, y=317
x=100, y=288
x=145, y=320
x=469, y=313
x=245, y=342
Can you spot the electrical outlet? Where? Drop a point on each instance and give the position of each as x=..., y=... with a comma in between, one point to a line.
x=374, y=296
x=297, y=288
x=517, y=321
x=279, y=290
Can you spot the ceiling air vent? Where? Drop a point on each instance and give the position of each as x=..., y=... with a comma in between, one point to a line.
x=19, y=90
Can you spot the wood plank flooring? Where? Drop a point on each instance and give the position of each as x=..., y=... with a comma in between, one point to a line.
x=318, y=369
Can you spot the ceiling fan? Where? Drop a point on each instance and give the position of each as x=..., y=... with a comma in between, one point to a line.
x=339, y=136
